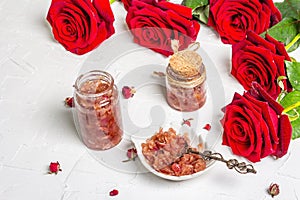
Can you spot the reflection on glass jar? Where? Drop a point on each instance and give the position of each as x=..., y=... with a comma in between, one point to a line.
x=97, y=110
x=186, y=86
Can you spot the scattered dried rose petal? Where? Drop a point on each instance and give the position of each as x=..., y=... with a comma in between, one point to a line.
x=187, y=122
x=69, y=102
x=131, y=154
x=114, y=192
x=273, y=189
x=54, y=167
x=128, y=92
x=207, y=127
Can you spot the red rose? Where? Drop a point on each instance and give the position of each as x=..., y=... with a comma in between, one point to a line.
x=155, y=24
x=233, y=18
x=81, y=25
x=260, y=60
x=254, y=126
x=127, y=3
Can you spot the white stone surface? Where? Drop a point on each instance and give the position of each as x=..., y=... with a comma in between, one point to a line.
x=37, y=73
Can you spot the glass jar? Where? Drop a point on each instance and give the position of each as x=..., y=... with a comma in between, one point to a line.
x=185, y=81
x=97, y=110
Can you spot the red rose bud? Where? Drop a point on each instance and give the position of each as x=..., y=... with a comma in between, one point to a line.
x=254, y=126
x=69, y=101
x=114, y=192
x=54, y=167
x=273, y=189
x=128, y=92
x=131, y=154
x=207, y=127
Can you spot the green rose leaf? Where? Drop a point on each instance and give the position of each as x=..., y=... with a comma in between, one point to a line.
x=291, y=104
x=201, y=13
x=293, y=73
x=194, y=3
x=200, y=9
x=289, y=8
x=286, y=31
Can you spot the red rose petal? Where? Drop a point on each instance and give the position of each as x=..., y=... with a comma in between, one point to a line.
x=280, y=49
x=259, y=41
x=269, y=125
x=284, y=134
x=207, y=127
x=257, y=90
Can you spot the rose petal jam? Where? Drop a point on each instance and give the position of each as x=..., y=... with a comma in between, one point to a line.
x=186, y=86
x=97, y=110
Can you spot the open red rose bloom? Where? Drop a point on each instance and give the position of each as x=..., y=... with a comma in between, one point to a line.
x=155, y=23
x=80, y=26
x=260, y=60
x=254, y=126
x=233, y=18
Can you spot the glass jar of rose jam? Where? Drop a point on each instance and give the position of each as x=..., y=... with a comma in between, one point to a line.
x=97, y=111
x=186, y=81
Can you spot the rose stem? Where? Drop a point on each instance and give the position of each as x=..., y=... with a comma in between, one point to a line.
x=296, y=38
x=291, y=107
x=111, y=1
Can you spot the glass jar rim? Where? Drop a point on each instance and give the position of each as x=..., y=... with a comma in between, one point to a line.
x=94, y=73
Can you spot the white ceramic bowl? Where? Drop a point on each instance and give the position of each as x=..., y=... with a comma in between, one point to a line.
x=142, y=135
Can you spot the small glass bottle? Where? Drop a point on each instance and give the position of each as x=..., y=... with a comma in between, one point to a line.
x=97, y=112
x=185, y=81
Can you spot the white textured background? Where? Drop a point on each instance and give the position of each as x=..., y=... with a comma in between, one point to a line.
x=37, y=73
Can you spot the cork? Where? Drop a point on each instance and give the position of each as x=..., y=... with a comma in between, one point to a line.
x=186, y=63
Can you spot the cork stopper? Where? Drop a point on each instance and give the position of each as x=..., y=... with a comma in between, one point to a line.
x=186, y=63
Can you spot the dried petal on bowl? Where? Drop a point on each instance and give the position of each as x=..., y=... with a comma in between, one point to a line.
x=166, y=152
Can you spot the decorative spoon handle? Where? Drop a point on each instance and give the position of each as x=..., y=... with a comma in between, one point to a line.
x=240, y=167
